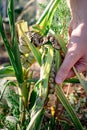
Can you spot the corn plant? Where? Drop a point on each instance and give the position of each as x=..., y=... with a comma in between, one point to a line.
x=14, y=55
x=39, y=44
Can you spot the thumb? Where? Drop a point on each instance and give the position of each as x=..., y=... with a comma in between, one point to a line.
x=69, y=61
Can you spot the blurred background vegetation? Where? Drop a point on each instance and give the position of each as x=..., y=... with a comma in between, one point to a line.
x=30, y=11
x=61, y=20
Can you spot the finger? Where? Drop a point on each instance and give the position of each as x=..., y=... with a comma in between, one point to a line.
x=69, y=61
x=70, y=74
x=79, y=67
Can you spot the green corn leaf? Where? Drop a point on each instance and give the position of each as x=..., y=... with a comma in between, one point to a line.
x=64, y=101
x=41, y=88
x=34, y=50
x=72, y=80
x=12, y=56
x=82, y=81
x=48, y=60
x=32, y=99
x=44, y=23
x=7, y=72
x=36, y=123
x=15, y=49
x=6, y=42
x=11, y=18
x=19, y=72
x=58, y=59
x=32, y=80
x=68, y=108
x=60, y=41
x=45, y=13
x=13, y=52
x=5, y=86
x=1, y=95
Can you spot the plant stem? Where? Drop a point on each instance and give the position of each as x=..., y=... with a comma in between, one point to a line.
x=23, y=100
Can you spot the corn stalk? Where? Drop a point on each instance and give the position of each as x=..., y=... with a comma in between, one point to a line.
x=45, y=58
x=14, y=55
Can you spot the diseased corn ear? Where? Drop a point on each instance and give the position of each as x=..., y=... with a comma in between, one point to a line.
x=51, y=101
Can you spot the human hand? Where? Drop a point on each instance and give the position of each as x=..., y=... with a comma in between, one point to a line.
x=76, y=53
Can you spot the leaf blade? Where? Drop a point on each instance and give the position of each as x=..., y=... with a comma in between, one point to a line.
x=7, y=72
x=68, y=108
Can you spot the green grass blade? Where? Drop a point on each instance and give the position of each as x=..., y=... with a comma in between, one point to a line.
x=68, y=108
x=7, y=72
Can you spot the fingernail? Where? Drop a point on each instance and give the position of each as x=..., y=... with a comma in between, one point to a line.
x=58, y=80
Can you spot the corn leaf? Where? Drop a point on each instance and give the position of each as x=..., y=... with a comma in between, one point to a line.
x=58, y=59
x=5, y=86
x=68, y=108
x=11, y=18
x=36, y=123
x=45, y=13
x=34, y=50
x=44, y=23
x=12, y=57
x=41, y=89
x=6, y=42
x=15, y=49
x=82, y=81
x=60, y=41
x=72, y=80
x=7, y=72
x=61, y=96
x=32, y=99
